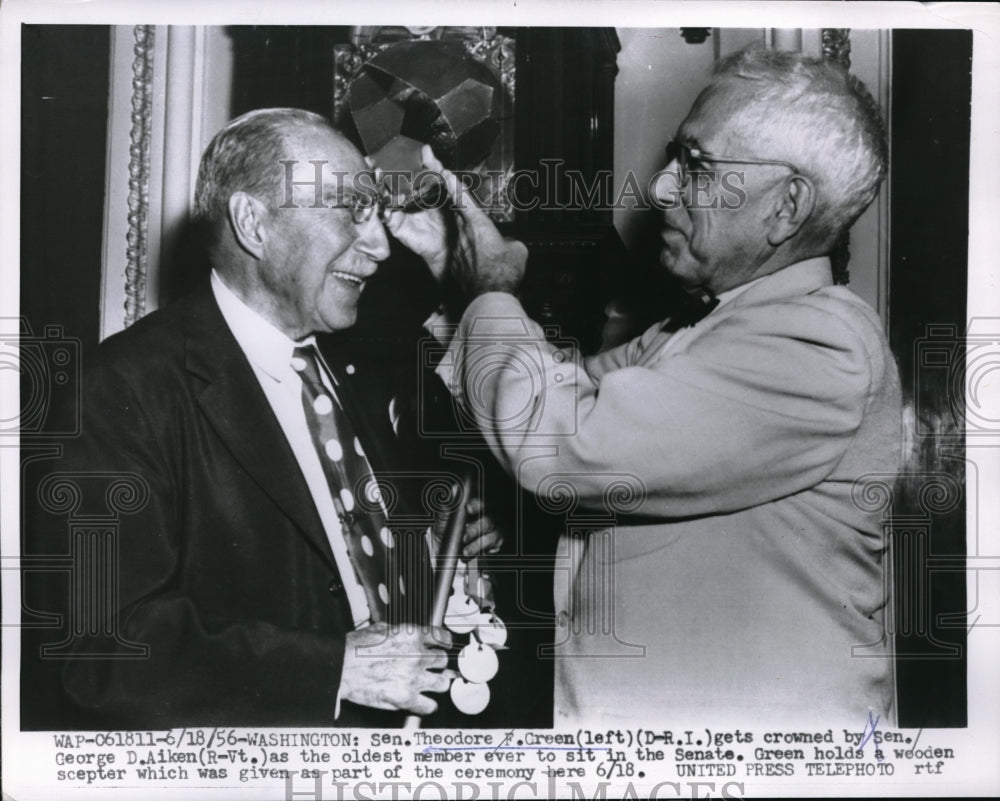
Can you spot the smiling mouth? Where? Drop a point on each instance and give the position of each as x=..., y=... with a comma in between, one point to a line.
x=352, y=279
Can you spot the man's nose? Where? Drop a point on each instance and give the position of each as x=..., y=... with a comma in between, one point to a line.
x=372, y=240
x=667, y=190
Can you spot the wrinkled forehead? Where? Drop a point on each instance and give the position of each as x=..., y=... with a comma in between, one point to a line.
x=316, y=143
x=321, y=157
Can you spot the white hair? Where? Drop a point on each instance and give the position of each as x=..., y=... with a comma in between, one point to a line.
x=818, y=117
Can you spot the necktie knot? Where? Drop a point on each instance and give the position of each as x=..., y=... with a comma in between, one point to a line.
x=305, y=362
x=692, y=310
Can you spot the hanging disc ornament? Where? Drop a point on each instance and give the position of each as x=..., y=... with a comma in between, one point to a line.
x=469, y=697
x=492, y=632
x=478, y=662
x=462, y=614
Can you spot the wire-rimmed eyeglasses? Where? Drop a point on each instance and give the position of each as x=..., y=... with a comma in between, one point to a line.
x=363, y=205
x=693, y=159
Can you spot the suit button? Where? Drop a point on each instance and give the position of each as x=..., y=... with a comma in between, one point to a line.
x=335, y=587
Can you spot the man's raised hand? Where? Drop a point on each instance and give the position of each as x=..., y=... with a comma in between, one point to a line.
x=484, y=260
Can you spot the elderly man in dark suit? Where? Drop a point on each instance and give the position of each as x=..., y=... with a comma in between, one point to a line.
x=262, y=580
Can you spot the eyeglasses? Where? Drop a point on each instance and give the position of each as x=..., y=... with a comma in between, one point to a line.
x=692, y=159
x=363, y=205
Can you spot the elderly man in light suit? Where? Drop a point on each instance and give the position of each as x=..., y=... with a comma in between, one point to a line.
x=745, y=583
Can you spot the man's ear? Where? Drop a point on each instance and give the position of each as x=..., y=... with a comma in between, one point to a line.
x=795, y=207
x=246, y=219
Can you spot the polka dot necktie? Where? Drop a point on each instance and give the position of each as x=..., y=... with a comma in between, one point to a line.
x=356, y=494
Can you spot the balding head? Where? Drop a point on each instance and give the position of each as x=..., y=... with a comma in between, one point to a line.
x=246, y=155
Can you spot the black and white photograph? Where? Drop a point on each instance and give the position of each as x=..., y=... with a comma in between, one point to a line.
x=487, y=401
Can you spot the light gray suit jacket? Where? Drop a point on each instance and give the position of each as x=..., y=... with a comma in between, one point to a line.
x=743, y=576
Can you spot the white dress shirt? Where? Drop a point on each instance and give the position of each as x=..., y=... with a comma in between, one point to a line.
x=269, y=352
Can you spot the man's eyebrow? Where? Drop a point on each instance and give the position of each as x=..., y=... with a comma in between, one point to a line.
x=688, y=141
x=682, y=137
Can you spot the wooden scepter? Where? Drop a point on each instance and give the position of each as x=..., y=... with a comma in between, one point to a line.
x=447, y=562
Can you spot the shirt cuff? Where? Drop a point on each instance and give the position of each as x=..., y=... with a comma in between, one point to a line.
x=443, y=331
x=492, y=314
x=336, y=705
x=438, y=326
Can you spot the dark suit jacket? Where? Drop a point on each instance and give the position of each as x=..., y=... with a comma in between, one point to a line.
x=224, y=575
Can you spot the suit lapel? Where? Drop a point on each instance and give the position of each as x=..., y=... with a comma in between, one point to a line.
x=368, y=408
x=237, y=409
x=363, y=405
x=795, y=280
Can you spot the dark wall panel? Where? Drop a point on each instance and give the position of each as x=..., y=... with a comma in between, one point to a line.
x=929, y=175
x=64, y=112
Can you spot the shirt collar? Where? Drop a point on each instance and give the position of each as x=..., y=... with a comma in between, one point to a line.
x=800, y=278
x=736, y=291
x=265, y=346
x=815, y=270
